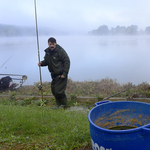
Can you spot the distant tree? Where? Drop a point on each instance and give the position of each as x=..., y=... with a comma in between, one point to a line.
x=132, y=30
x=120, y=30
x=10, y=30
x=102, y=30
x=112, y=31
x=93, y=32
x=141, y=32
x=147, y=30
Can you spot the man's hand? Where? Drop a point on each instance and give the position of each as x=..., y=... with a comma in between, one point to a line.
x=62, y=76
x=39, y=64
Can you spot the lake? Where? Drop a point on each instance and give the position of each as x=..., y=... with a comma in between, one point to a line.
x=125, y=58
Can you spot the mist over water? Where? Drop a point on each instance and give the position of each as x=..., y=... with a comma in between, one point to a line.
x=125, y=58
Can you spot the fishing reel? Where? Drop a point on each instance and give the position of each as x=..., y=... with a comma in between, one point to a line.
x=24, y=77
x=40, y=87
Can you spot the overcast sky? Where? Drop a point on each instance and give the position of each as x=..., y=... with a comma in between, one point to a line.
x=76, y=15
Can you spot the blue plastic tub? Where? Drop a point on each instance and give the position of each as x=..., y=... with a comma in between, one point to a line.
x=108, y=114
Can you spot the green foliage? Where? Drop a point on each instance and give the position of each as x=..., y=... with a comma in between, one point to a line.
x=92, y=88
x=146, y=93
x=28, y=101
x=5, y=101
x=104, y=87
x=127, y=93
x=42, y=102
x=75, y=104
x=73, y=97
x=100, y=98
x=12, y=96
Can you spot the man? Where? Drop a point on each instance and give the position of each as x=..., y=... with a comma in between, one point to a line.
x=58, y=64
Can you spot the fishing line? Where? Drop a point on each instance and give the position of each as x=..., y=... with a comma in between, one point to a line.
x=40, y=85
x=7, y=60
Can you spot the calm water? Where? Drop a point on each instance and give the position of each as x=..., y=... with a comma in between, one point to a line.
x=125, y=58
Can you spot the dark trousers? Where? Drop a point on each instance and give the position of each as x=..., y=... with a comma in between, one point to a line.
x=58, y=87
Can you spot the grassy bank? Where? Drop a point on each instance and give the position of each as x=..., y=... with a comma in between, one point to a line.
x=30, y=127
x=100, y=89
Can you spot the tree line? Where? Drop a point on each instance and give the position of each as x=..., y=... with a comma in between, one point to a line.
x=120, y=30
x=12, y=30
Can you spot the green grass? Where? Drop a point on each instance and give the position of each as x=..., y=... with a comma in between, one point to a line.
x=30, y=127
x=31, y=124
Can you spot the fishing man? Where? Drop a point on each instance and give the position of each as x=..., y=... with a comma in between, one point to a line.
x=58, y=63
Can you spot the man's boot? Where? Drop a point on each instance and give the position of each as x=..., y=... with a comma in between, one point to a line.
x=63, y=102
x=57, y=104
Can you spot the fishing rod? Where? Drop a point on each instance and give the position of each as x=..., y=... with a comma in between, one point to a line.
x=110, y=96
x=11, y=75
x=40, y=85
x=7, y=60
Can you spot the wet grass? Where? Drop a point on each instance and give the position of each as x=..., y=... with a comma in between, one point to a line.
x=32, y=127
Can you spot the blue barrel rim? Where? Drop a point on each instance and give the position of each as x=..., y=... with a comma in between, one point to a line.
x=118, y=131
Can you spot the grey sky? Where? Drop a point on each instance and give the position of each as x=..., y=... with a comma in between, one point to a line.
x=76, y=15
